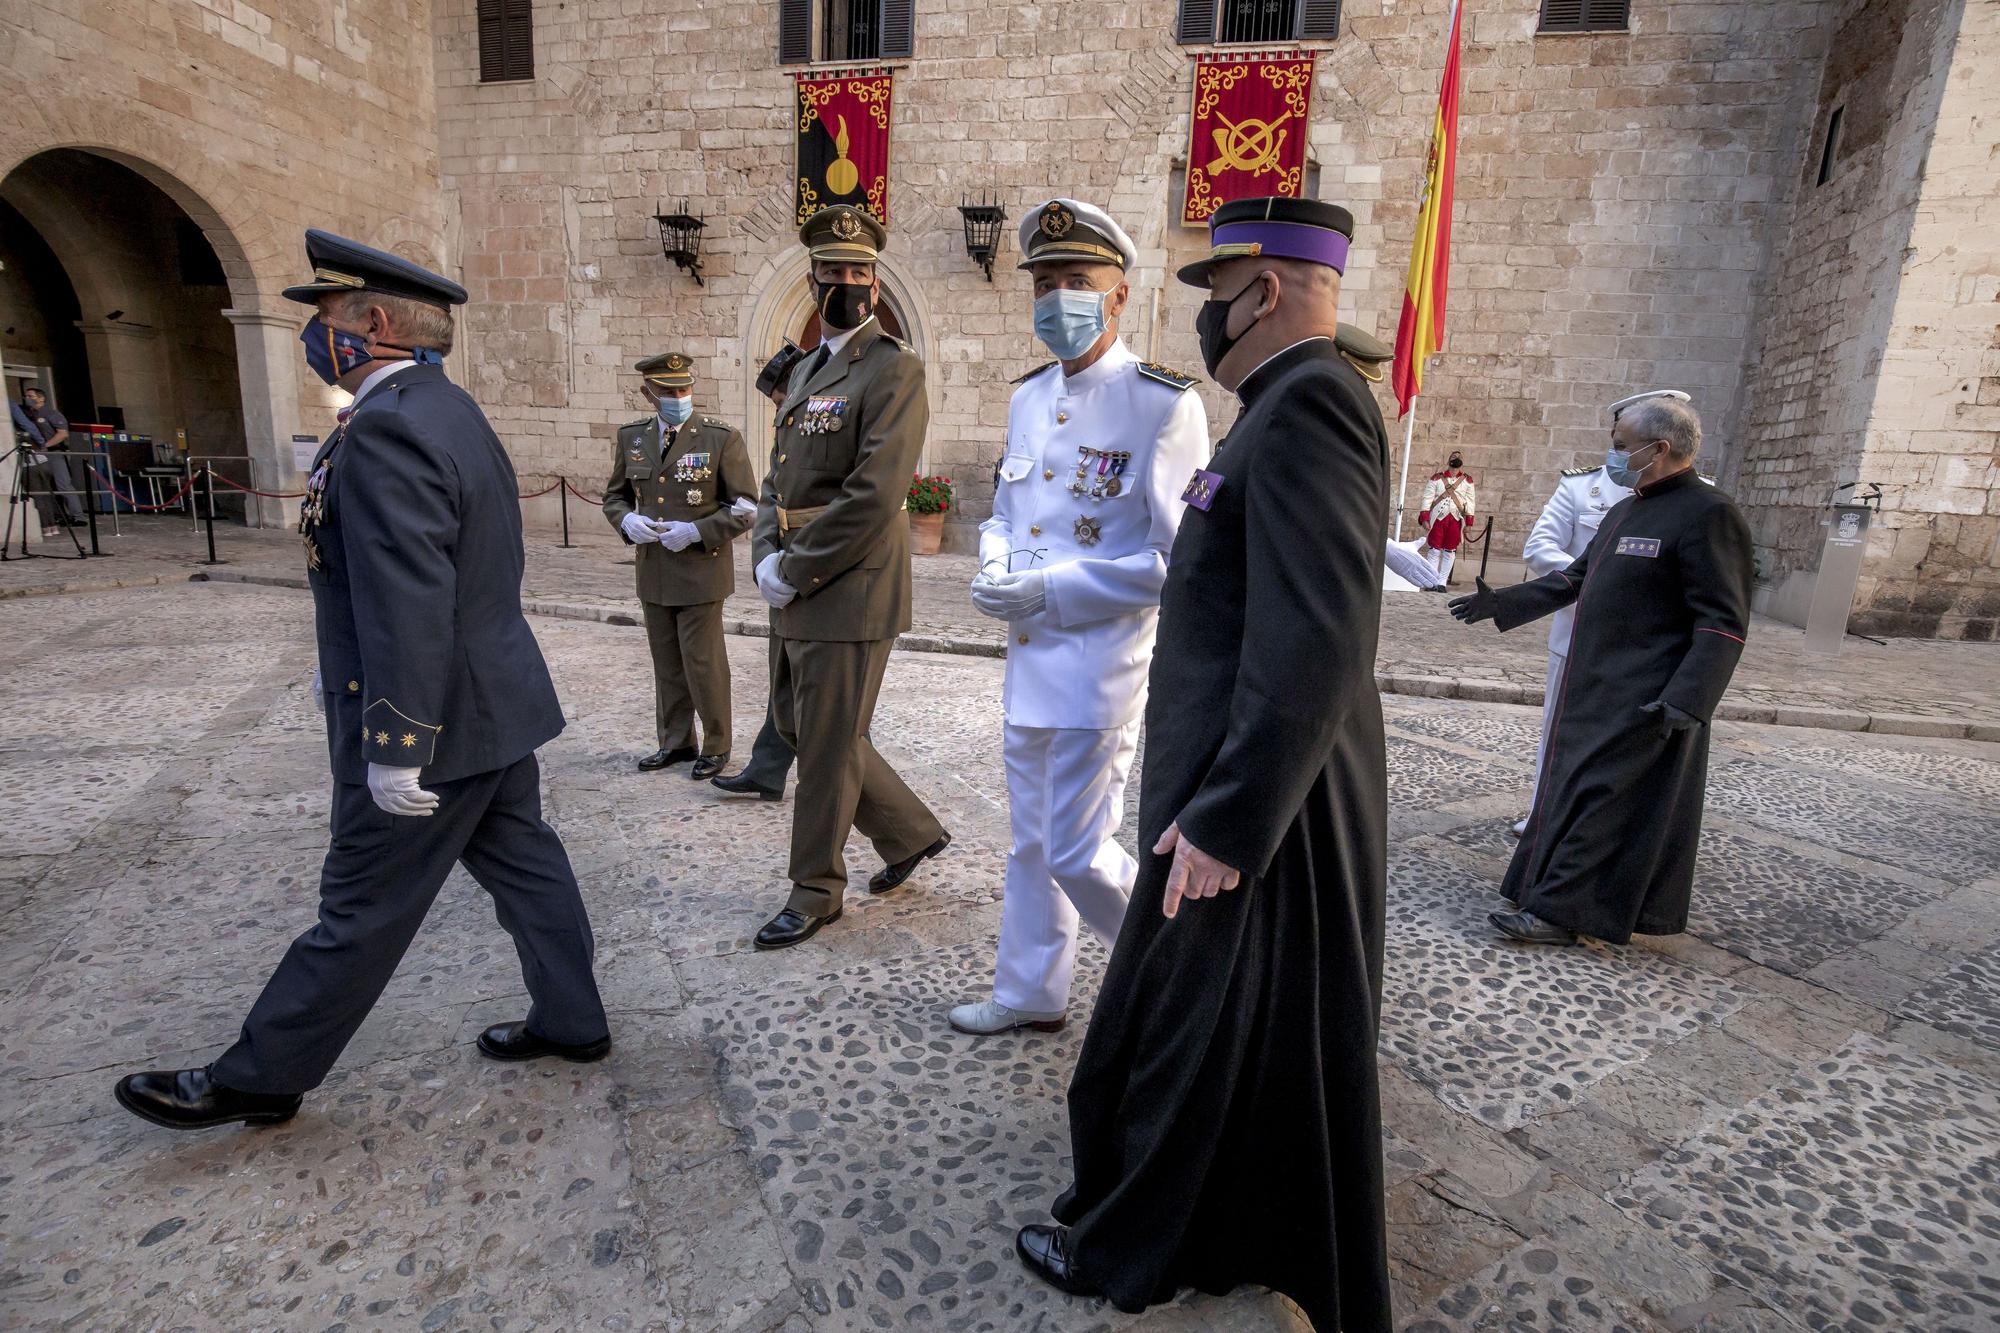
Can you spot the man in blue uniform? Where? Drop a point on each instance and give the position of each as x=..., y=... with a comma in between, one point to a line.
x=436, y=698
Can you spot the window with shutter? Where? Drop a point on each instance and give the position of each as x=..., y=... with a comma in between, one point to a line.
x=1252, y=21
x=1319, y=20
x=794, y=32
x=506, y=40
x=1197, y=23
x=853, y=30
x=1586, y=15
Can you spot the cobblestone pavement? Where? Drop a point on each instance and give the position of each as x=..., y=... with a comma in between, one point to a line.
x=1906, y=686
x=1786, y=1120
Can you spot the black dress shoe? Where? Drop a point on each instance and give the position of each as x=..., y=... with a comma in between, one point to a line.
x=742, y=784
x=659, y=759
x=892, y=877
x=791, y=927
x=709, y=765
x=190, y=1099
x=1530, y=929
x=513, y=1041
x=1045, y=1251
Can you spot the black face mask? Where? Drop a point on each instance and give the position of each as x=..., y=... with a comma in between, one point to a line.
x=845, y=305
x=1455, y=463
x=1211, y=326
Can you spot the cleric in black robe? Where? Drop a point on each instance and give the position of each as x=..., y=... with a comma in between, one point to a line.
x=1224, y=1115
x=1662, y=599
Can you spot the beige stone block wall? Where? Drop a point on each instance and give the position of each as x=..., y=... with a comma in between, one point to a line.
x=1616, y=199
x=259, y=118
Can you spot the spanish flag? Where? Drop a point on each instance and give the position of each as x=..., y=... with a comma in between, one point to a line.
x=1421, y=330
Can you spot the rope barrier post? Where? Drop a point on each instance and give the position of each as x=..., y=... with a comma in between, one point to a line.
x=1485, y=547
x=208, y=505
x=90, y=502
x=562, y=494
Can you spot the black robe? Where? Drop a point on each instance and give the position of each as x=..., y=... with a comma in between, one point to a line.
x=1662, y=607
x=1225, y=1114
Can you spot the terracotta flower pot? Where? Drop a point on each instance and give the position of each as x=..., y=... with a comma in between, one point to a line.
x=927, y=533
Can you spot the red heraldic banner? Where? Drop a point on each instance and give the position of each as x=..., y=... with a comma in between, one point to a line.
x=844, y=143
x=1247, y=137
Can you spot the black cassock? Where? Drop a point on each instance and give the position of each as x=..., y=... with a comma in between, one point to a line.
x=1662, y=607
x=1225, y=1114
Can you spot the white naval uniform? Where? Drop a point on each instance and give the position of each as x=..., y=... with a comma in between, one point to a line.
x=1567, y=523
x=1076, y=672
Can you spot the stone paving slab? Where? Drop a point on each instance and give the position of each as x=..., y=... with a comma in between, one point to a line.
x=1903, y=687
x=1582, y=1139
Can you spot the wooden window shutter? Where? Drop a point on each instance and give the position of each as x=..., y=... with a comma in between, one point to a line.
x=1562, y=16
x=506, y=40
x=1197, y=22
x=1319, y=20
x=1608, y=15
x=899, y=29
x=794, y=32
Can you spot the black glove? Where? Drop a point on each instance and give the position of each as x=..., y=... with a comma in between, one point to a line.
x=1477, y=606
x=1670, y=718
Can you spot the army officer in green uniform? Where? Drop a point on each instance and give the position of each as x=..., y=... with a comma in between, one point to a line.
x=681, y=491
x=832, y=555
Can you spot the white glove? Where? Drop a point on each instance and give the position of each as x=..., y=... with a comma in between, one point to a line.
x=1010, y=596
x=1412, y=568
x=772, y=584
x=678, y=536
x=319, y=694
x=396, y=790
x=639, y=529
x=745, y=507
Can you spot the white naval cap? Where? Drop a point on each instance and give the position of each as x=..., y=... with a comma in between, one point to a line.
x=1069, y=229
x=1624, y=403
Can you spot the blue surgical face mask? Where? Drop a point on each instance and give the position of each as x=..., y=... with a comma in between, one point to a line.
x=1069, y=323
x=1619, y=467
x=675, y=411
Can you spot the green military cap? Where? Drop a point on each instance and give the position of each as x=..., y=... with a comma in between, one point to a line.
x=668, y=370
x=1364, y=349
x=844, y=234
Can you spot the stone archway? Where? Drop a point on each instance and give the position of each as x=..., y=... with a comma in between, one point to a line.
x=261, y=325
x=782, y=309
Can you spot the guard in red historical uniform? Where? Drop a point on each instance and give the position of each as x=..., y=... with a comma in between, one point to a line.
x=1446, y=514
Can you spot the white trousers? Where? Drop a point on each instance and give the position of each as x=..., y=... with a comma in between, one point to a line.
x=1066, y=799
x=1441, y=561
x=1558, y=664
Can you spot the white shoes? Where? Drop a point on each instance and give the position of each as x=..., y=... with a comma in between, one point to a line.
x=990, y=1016
x=1519, y=826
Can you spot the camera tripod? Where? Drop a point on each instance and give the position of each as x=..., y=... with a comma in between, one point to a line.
x=21, y=502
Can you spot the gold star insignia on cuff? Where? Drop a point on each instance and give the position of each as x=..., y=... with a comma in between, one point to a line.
x=409, y=739
x=381, y=738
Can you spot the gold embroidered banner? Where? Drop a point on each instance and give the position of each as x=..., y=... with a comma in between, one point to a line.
x=844, y=143
x=1247, y=136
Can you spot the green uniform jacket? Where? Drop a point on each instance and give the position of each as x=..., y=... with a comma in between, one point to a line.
x=693, y=491
x=848, y=442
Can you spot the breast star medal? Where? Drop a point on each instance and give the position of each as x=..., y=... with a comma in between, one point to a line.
x=1087, y=530
x=694, y=495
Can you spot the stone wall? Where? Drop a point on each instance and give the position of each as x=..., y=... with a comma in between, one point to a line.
x=1617, y=194
x=258, y=118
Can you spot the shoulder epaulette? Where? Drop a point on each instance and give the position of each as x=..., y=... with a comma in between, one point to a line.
x=639, y=424
x=1706, y=479
x=1579, y=471
x=1048, y=365
x=716, y=422
x=1152, y=370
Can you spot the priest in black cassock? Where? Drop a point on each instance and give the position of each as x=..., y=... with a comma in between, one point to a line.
x=1662, y=598
x=1225, y=1116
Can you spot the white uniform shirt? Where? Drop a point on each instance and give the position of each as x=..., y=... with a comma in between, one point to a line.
x=1568, y=521
x=1082, y=662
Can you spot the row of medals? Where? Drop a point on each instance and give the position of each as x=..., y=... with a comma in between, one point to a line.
x=686, y=469
x=312, y=511
x=1108, y=484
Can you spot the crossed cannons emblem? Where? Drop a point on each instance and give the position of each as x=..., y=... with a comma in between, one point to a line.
x=1252, y=145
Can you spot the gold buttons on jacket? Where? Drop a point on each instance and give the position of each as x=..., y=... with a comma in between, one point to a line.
x=1035, y=531
x=789, y=420
x=781, y=458
x=1061, y=417
x=353, y=687
x=1048, y=474
x=1024, y=638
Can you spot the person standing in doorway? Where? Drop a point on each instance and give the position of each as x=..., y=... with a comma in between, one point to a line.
x=832, y=554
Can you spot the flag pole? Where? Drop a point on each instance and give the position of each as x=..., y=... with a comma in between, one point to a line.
x=1403, y=486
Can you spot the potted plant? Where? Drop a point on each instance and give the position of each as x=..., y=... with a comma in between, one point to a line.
x=929, y=498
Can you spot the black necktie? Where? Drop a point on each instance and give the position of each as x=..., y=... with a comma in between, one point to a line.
x=819, y=362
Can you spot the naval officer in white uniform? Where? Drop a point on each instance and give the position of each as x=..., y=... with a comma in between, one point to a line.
x=1099, y=448
x=1567, y=523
